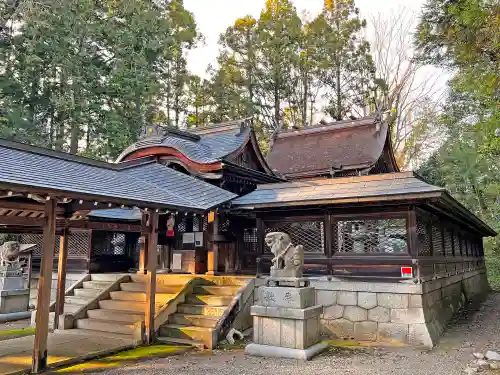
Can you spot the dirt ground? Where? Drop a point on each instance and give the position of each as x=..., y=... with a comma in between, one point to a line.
x=476, y=329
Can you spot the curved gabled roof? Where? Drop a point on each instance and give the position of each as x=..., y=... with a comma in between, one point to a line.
x=339, y=146
x=209, y=145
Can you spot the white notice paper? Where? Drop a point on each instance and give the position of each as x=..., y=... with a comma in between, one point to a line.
x=188, y=237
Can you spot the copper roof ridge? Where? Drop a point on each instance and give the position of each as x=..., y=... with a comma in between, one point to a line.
x=341, y=180
x=332, y=126
x=214, y=128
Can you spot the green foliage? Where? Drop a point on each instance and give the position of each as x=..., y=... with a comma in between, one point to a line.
x=84, y=76
x=465, y=35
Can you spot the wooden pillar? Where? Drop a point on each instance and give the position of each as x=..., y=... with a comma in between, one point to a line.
x=168, y=258
x=39, y=362
x=213, y=252
x=61, y=276
x=151, y=277
x=143, y=246
x=411, y=228
x=327, y=230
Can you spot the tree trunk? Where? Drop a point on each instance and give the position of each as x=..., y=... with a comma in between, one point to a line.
x=304, y=100
x=73, y=146
x=277, y=104
x=338, y=115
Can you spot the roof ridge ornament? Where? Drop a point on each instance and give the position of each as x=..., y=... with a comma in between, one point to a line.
x=151, y=130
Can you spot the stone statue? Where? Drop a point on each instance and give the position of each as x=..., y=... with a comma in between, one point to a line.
x=288, y=259
x=10, y=252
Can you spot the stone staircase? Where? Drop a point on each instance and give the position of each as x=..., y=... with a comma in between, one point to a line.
x=126, y=307
x=80, y=294
x=71, y=278
x=195, y=320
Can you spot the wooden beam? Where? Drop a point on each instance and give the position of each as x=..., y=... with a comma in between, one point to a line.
x=213, y=252
x=39, y=362
x=24, y=221
x=411, y=229
x=61, y=276
x=151, y=278
x=143, y=245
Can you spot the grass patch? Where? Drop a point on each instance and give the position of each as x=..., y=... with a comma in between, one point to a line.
x=493, y=267
x=343, y=344
x=14, y=333
x=123, y=358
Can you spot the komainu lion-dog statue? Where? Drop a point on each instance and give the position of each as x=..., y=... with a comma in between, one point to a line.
x=288, y=259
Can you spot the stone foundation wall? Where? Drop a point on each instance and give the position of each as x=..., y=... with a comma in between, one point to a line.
x=394, y=312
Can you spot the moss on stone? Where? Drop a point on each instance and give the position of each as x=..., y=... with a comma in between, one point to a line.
x=124, y=358
x=14, y=333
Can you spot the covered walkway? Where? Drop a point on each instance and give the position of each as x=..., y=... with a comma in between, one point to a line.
x=63, y=347
x=43, y=189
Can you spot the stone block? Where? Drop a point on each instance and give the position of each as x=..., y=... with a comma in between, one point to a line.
x=393, y=332
x=407, y=316
x=347, y=298
x=12, y=301
x=341, y=328
x=367, y=300
x=365, y=331
x=415, y=301
x=355, y=314
x=393, y=301
x=326, y=297
x=418, y=335
x=270, y=331
x=333, y=312
x=297, y=298
x=287, y=333
x=379, y=314
x=285, y=312
x=279, y=352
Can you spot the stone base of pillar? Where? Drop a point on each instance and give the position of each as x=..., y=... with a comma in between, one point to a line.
x=280, y=352
x=286, y=323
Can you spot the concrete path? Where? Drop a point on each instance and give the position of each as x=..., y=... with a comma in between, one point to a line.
x=64, y=347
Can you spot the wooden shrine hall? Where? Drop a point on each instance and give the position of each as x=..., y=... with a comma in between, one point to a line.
x=335, y=187
x=50, y=192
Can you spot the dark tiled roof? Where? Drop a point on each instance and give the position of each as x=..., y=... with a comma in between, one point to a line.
x=343, y=145
x=35, y=168
x=216, y=142
x=189, y=188
x=118, y=214
x=338, y=190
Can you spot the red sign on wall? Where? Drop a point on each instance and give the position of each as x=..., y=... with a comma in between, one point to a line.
x=406, y=272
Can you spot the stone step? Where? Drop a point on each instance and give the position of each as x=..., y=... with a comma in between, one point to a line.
x=193, y=320
x=178, y=331
x=89, y=293
x=197, y=299
x=76, y=300
x=176, y=341
x=140, y=296
x=96, y=284
x=130, y=306
x=71, y=308
x=115, y=315
x=141, y=287
x=92, y=333
x=186, y=308
x=171, y=279
x=216, y=290
x=105, y=326
x=109, y=277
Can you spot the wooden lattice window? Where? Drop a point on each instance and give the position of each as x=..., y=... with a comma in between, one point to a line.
x=250, y=240
x=78, y=244
x=448, y=242
x=437, y=238
x=382, y=236
x=108, y=243
x=309, y=234
x=424, y=241
x=457, y=243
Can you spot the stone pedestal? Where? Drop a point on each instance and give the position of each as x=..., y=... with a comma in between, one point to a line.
x=286, y=323
x=14, y=297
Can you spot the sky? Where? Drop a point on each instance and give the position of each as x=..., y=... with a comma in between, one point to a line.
x=215, y=16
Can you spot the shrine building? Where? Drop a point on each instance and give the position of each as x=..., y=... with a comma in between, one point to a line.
x=391, y=256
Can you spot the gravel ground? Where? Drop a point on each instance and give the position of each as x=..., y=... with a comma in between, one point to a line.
x=476, y=329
